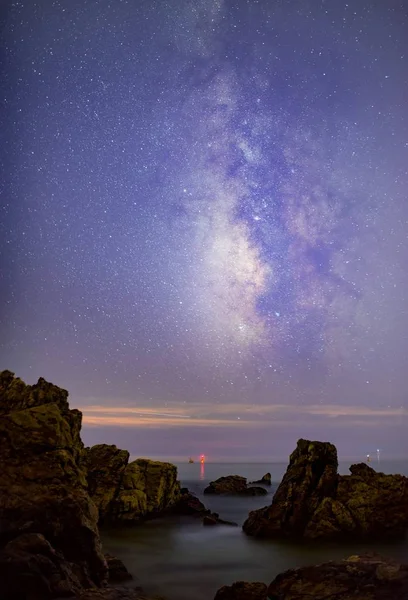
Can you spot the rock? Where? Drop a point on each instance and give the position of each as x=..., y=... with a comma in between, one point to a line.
x=117, y=570
x=129, y=492
x=31, y=567
x=367, y=577
x=233, y=485
x=242, y=590
x=189, y=504
x=147, y=489
x=210, y=520
x=43, y=488
x=265, y=480
x=105, y=466
x=313, y=501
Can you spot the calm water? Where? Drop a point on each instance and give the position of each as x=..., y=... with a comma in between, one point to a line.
x=180, y=559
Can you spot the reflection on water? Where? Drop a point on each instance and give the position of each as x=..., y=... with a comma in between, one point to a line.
x=202, y=471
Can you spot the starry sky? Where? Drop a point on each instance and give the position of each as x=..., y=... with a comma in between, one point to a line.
x=204, y=220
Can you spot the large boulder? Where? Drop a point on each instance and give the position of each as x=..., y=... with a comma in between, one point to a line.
x=30, y=566
x=242, y=590
x=105, y=465
x=313, y=501
x=126, y=492
x=367, y=577
x=148, y=488
x=233, y=485
x=43, y=489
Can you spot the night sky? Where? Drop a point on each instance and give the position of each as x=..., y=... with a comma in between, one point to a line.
x=204, y=220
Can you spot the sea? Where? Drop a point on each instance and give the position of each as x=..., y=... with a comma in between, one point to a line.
x=180, y=559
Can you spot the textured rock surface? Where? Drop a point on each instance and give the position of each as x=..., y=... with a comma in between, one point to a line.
x=242, y=590
x=129, y=492
x=265, y=480
x=313, y=501
x=233, y=485
x=29, y=566
x=147, y=488
x=43, y=490
x=105, y=466
x=356, y=578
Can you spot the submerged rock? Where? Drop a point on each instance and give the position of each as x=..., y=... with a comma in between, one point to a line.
x=117, y=570
x=265, y=480
x=233, y=485
x=43, y=488
x=313, y=501
x=367, y=577
x=189, y=504
x=242, y=590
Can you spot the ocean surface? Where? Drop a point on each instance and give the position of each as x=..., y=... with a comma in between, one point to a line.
x=181, y=559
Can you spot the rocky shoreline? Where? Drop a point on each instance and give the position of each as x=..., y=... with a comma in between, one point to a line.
x=55, y=493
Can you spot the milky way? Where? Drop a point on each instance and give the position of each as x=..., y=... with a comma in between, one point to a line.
x=205, y=209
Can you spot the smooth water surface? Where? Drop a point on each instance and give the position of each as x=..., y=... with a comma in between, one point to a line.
x=181, y=559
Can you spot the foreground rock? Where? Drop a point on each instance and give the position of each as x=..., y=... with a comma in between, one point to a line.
x=233, y=485
x=358, y=578
x=129, y=492
x=45, y=509
x=242, y=590
x=49, y=540
x=265, y=480
x=313, y=501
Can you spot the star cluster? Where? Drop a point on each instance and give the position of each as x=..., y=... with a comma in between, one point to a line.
x=205, y=204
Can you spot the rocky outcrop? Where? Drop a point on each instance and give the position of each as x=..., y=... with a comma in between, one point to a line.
x=105, y=465
x=366, y=577
x=129, y=492
x=45, y=509
x=31, y=567
x=147, y=488
x=49, y=540
x=242, y=590
x=313, y=501
x=233, y=485
x=265, y=480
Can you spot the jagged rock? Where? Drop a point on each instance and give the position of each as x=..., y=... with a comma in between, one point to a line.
x=243, y=590
x=147, y=488
x=367, y=577
x=265, y=480
x=31, y=567
x=117, y=570
x=43, y=489
x=313, y=501
x=233, y=485
x=105, y=466
x=189, y=504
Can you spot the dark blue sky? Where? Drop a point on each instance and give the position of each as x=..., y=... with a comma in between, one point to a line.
x=204, y=220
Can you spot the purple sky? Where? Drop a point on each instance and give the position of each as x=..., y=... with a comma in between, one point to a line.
x=204, y=220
